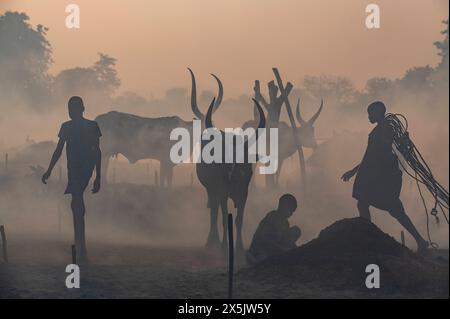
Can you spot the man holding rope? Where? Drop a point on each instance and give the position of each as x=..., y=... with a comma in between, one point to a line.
x=378, y=179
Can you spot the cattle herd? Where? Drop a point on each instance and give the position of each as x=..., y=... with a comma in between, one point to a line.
x=138, y=138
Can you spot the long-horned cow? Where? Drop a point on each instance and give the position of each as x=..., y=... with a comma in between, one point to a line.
x=287, y=145
x=138, y=138
x=224, y=181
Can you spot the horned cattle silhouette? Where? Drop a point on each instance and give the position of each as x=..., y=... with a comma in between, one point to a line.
x=287, y=145
x=224, y=181
x=138, y=138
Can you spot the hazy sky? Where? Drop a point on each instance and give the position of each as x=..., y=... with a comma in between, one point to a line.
x=239, y=40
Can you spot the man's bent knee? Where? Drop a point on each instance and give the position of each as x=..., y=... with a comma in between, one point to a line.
x=397, y=210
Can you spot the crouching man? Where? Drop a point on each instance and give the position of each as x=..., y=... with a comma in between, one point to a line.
x=274, y=234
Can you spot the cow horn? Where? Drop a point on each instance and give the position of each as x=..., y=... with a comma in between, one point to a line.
x=262, y=118
x=219, y=93
x=208, y=120
x=261, y=124
x=194, y=105
x=297, y=113
x=315, y=116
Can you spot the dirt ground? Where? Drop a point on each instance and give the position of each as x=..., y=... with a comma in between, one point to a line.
x=37, y=270
x=147, y=242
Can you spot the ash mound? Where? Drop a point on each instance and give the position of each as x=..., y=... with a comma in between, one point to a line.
x=337, y=259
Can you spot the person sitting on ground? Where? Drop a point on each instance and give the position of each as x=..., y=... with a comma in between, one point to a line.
x=274, y=234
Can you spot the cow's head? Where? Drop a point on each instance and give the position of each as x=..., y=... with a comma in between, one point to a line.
x=251, y=140
x=306, y=130
x=194, y=105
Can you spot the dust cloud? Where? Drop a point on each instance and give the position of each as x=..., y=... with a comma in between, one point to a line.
x=132, y=209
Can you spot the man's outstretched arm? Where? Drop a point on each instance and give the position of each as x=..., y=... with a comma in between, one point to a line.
x=348, y=175
x=55, y=157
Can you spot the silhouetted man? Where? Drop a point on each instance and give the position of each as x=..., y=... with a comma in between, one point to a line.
x=378, y=179
x=274, y=234
x=82, y=137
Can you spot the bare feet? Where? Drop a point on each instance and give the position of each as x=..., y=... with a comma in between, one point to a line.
x=422, y=247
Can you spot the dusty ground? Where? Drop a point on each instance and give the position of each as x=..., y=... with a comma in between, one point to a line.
x=147, y=242
x=37, y=270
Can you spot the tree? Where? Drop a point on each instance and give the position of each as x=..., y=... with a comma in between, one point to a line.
x=417, y=78
x=338, y=91
x=25, y=56
x=442, y=47
x=96, y=83
x=106, y=73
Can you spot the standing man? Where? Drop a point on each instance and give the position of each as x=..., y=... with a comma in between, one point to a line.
x=378, y=179
x=82, y=137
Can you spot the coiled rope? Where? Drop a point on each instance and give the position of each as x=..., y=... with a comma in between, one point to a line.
x=421, y=172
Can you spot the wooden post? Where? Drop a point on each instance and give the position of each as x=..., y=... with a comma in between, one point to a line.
x=6, y=162
x=4, y=243
x=74, y=255
x=59, y=217
x=230, y=256
x=402, y=235
x=294, y=128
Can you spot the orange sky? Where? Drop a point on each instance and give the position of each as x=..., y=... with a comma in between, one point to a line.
x=239, y=40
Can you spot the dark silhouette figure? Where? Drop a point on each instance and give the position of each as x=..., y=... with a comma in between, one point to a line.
x=274, y=234
x=378, y=179
x=82, y=137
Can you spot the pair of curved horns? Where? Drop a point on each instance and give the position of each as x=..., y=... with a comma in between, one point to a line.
x=194, y=104
x=312, y=119
x=262, y=118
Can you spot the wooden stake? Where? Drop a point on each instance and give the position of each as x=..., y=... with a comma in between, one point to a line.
x=230, y=256
x=6, y=162
x=74, y=255
x=4, y=243
x=402, y=235
x=59, y=217
x=294, y=128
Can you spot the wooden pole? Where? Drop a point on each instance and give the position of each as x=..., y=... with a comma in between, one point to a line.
x=74, y=255
x=402, y=235
x=4, y=243
x=294, y=128
x=6, y=162
x=230, y=256
x=59, y=217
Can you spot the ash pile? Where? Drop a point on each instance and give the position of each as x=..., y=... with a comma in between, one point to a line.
x=338, y=258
